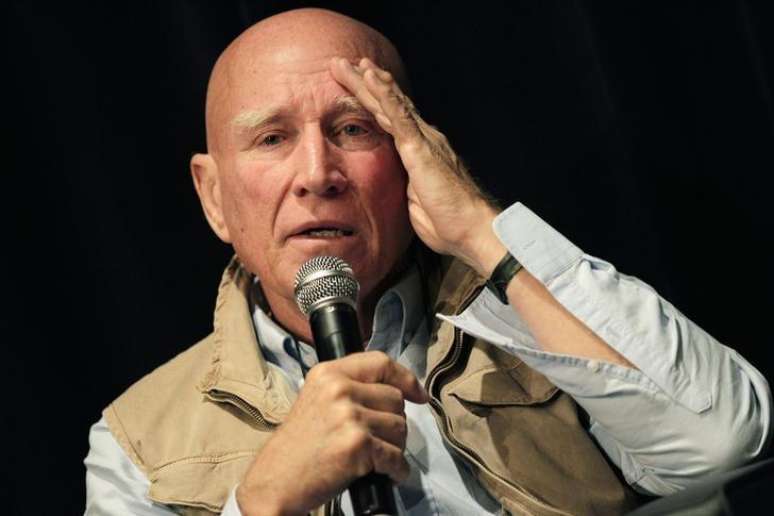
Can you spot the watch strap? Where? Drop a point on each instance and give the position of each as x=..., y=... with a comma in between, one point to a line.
x=502, y=276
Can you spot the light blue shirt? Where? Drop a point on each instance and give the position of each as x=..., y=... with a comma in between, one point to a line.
x=692, y=407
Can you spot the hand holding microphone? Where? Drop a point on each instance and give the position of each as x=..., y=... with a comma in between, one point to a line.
x=346, y=423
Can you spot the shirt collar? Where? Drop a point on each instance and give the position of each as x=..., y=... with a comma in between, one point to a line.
x=396, y=318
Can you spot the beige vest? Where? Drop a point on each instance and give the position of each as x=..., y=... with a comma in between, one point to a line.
x=194, y=424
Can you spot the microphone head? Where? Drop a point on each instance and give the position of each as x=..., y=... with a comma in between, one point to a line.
x=323, y=280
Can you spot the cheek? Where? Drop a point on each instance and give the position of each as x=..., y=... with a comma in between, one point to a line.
x=382, y=185
x=383, y=177
x=249, y=199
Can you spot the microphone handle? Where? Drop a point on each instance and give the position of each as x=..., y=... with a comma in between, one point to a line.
x=336, y=334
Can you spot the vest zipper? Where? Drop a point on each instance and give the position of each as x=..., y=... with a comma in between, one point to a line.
x=445, y=367
x=451, y=358
x=233, y=399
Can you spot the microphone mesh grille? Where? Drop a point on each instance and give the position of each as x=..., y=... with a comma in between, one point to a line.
x=324, y=277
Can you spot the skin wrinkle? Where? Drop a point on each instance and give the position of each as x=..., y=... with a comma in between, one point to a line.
x=270, y=36
x=252, y=120
x=257, y=193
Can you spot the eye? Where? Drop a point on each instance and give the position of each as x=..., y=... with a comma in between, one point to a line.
x=353, y=130
x=270, y=140
x=356, y=135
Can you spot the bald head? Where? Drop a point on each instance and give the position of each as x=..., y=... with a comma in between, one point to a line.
x=297, y=36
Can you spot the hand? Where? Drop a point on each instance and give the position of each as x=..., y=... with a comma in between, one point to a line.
x=348, y=420
x=446, y=208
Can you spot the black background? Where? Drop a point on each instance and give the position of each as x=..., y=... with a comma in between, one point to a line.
x=643, y=131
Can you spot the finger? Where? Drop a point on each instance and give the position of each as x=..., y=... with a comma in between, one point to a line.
x=388, y=459
x=351, y=78
x=382, y=73
x=377, y=367
x=388, y=427
x=386, y=79
x=377, y=396
x=397, y=107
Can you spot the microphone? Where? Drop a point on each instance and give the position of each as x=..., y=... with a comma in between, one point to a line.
x=326, y=292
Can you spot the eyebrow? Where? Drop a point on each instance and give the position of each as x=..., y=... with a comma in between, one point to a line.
x=253, y=119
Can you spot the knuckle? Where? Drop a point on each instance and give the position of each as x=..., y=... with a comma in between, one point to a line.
x=337, y=388
x=405, y=111
x=399, y=406
x=402, y=432
x=384, y=86
x=390, y=461
x=318, y=372
x=395, y=432
x=381, y=359
x=355, y=450
x=348, y=413
x=394, y=399
x=358, y=441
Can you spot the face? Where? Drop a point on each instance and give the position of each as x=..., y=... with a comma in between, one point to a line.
x=304, y=170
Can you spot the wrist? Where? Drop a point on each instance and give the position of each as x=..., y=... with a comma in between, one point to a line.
x=252, y=503
x=483, y=250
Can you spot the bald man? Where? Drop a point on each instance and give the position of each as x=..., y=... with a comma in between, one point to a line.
x=558, y=387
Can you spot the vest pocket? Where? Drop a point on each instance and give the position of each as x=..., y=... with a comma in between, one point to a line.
x=498, y=415
x=202, y=482
x=493, y=386
x=528, y=446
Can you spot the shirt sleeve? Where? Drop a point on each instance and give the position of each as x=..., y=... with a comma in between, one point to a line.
x=116, y=486
x=694, y=406
x=232, y=507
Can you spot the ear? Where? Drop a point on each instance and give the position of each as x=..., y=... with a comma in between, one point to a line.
x=204, y=171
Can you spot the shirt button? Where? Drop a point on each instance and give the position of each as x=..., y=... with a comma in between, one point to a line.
x=592, y=365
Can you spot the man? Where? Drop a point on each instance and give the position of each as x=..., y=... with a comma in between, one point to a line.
x=315, y=149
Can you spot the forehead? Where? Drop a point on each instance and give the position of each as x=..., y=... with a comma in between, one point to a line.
x=293, y=75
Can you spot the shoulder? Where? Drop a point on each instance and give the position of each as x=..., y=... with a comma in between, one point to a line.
x=169, y=393
x=181, y=376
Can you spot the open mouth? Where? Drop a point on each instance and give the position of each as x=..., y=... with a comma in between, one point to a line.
x=324, y=232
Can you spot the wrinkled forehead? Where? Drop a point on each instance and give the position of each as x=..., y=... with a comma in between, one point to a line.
x=256, y=71
x=257, y=67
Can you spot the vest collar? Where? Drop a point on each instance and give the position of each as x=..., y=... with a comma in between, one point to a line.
x=237, y=368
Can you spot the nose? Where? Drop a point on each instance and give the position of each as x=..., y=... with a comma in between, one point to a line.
x=318, y=170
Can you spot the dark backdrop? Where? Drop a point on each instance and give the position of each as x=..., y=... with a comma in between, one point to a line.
x=643, y=131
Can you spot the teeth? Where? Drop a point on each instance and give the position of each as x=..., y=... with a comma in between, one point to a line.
x=328, y=232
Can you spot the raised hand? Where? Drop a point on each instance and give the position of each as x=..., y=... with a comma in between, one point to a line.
x=447, y=210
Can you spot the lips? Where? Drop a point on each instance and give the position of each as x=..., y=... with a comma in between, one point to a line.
x=327, y=232
x=323, y=229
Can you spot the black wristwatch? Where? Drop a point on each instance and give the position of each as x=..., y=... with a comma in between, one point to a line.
x=502, y=276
